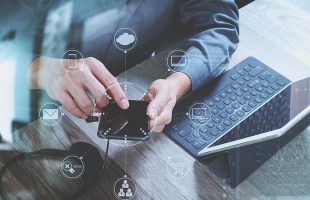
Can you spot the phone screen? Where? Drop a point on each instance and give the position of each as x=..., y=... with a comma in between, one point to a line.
x=130, y=124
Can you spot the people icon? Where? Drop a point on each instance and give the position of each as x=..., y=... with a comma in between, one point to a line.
x=121, y=193
x=128, y=193
x=125, y=188
x=125, y=184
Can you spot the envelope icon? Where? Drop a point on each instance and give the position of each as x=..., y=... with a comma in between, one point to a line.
x=50, y=114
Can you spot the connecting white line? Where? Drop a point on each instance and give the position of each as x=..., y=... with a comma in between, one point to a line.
x=125, y=52
x=86, y=152
x=126, y=142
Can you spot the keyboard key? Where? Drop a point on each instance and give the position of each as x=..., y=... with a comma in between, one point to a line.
x=238, y=93
x=258, y=100
x=210, y=124
x=263, y=95
x=252, y=104
x=240, y=113
x=275, y=87
x=175, y=128
x=215, y=110
x=235, y=76
x=240, y=82
x=253, y=93
x=269, y=91
x=229, y=90
x=264, y=75
x=210, y=103
x=223, y=94
x=223, y=114
x=246, y=108
x=227, y=122
x=241, y=72
x=242, y=101
x=203, y=129
x=194, y=125
x=251, y=84
x=217, y=119
x=227, y=101
x=247, y=97
x=252, y=64
x=265, y=84
x=196, y=134
x=220, y=106
x=220, y=127
x=257, y=70
x=217, y=99
x=189, y=139
x=281, y=83
x=207, y=136
x=256, y=81
x=246, y=78
x=233, y=97
x=235, y=105
x=235, y=86
x=245, y=89
x=271, y=78
x=247, y=68
x=229, y=110
x=183, y=133
x=214, y=132
x=201, y=121
x=233, y=117
x=198, y=145
x=259, y=88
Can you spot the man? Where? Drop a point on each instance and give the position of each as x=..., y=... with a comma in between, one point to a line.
x=211, y=29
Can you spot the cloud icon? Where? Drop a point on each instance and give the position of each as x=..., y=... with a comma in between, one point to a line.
x=125, y=39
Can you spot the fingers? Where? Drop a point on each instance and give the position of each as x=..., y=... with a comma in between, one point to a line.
x=116, y=91
x=159, y=102
x=158, y=129
x=164, y=118
x=69, y=104
x=98, y=91
x=81, y=98
x=158, y=124
x=110, y=82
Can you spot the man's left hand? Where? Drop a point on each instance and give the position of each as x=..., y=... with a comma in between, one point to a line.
x=163, y=95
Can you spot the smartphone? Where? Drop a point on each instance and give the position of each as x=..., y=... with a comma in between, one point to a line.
x=119, y=124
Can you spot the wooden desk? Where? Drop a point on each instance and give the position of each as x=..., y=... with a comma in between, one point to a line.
x=275, y=32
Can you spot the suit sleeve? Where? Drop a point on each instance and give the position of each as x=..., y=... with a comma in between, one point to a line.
x=214, y=26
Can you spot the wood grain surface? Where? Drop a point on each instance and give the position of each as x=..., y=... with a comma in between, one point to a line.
x=276, y=32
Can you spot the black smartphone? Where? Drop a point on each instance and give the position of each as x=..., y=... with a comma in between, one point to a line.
x=130, y=124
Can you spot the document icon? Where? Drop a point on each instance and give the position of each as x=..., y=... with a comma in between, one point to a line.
x=50, y=114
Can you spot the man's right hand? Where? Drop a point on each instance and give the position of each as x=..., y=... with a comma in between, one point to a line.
x=71, y=89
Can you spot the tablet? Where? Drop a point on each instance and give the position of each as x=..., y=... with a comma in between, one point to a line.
x=299, y=108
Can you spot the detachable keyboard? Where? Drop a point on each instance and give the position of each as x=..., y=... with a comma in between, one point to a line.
x=247, y=100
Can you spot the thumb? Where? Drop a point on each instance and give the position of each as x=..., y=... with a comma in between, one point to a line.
x=158, y=104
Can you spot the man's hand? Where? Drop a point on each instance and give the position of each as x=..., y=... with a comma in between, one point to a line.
x=163, y=95
x=71, y=89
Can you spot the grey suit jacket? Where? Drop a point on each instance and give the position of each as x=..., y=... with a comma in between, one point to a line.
x=209, y=26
